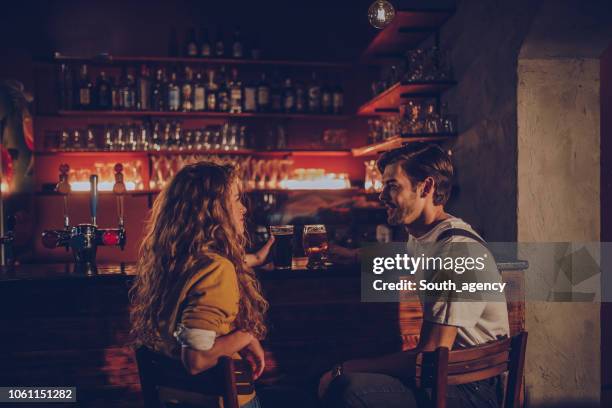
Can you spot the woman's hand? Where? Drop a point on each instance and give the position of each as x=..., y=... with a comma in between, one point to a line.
x=260, y=256
x=254, y=354
x=324, y=382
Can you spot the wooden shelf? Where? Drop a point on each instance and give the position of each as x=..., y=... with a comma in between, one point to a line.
x=106, y=59
x=111, y=113
x=282, y=152
x=407, y=30
x=388, y=101
x=135, y=193
x=399, y=141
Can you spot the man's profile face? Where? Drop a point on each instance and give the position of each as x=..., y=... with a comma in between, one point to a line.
x=400, y=197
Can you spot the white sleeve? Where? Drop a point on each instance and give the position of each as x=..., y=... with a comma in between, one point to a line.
x=198, y=339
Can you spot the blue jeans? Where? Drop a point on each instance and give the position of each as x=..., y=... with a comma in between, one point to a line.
x=254, y=403
x=367, y=390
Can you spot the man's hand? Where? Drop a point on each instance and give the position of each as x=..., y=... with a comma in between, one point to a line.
x=341, y=255
x=324, y=382
x=260, y=256
x=254, y=354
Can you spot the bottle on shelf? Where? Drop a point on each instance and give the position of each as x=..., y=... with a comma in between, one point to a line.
x=236, y=93
x=174, y=94
x=173, y=47
x=205, y=47
x=263, y=95
x=191, y=44
x=223, y=96
x=300, y=97
x=237, y=48
x=219, y=44
x=187, y=91
x=314, y=95
x=158, y=99
x=199, y=93
x=143, y=89
x=338, y=99
x=211, y=91
x=127, y=92
x=326, y=99
x=115, y=94
x=85, y=87
x=103, y=92
x=288, y=97
x=65, y=90
x=255, y=49
x=250, y=97
x=276, y=94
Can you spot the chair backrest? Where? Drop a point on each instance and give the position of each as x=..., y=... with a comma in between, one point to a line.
x=439, y=368
x=228, y=379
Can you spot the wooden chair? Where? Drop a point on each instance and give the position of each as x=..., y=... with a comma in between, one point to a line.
x=228, y=379
x=437, y=369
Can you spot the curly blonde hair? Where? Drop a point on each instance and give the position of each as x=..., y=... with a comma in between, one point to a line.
x=190, y=220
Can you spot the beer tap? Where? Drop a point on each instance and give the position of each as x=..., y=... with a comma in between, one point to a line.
x=84, y=239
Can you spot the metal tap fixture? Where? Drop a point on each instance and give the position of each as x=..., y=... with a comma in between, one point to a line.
x=84, y=239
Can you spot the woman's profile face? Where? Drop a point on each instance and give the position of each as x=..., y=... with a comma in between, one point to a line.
x=237, y=209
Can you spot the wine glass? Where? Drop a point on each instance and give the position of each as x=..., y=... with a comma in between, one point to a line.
x=314, y=240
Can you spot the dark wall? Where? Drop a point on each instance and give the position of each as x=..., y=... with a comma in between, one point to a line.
x=484, y=39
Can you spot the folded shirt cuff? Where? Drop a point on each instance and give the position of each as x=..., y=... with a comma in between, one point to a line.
x=198, y=339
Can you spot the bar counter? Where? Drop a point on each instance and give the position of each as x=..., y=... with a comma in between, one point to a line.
x=60, y=328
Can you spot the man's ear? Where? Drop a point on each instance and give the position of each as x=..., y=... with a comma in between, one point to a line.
x=428, y=186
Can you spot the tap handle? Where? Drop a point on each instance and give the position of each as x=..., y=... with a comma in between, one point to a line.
x=63, y=187
x=93, y=204
x=119, y=189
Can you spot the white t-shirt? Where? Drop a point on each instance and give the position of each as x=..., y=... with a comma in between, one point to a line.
x=477, y=321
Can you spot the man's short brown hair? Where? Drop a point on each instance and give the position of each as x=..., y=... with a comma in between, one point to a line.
x=422, y=160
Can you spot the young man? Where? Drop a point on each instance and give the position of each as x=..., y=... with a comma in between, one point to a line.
x=417, y=184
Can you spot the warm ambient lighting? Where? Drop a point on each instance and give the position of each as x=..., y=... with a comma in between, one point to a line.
x=102, y=186
x=315, y=179
x=4, y=187
x=381, y=13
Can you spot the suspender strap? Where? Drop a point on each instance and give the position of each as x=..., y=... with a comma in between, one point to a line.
x=453, y=232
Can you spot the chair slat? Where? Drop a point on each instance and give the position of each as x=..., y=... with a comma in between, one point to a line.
x=477, y=375
x=479, y=364
x=473, y=353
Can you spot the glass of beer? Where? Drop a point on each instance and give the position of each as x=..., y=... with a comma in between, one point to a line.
x=315, y=245
x=282, y=251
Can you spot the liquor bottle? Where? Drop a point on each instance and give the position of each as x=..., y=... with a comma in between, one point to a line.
x=276, y=94
x=314, y=95
x=288, y=97
x=158, y=100
x=223, y=102
x=326, y=99
x=173, y=47
x=127, y=92
x=115, y=94
x=103, y=92
x=338, y=99
x=255, y=50
x=191, y=45
x=187, y=91
x=85, y=86
x=263, y=95
x=205, y=47
x=219, y=44
x=300, y=97
x=250, y=97
x=199, y=93
x=211, y=91
x=65, y=87
x=143, y=89
x=237, y=48
x=236, y=95
x=174, y=94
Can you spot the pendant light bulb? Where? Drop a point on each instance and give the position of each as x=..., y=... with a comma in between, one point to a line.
x=381, y=13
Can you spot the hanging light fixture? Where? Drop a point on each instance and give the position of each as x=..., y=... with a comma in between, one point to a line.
x=381, y=13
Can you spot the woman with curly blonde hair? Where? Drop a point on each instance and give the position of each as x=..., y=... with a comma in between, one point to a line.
x=195, y=296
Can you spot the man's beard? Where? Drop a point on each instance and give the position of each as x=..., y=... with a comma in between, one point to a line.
x=397, y=215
